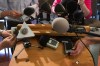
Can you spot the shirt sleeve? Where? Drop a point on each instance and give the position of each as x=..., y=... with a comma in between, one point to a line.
x=88, y=4
x=54, y=5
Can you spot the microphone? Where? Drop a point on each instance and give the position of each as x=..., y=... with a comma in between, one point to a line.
x=45, y=7
x=61, y=25
x=30, y=12
x=71, y=6
x=74, y=11
x=59, y=9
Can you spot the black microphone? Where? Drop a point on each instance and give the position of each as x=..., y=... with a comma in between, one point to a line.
x=59, y=9
x=74, y=11
x=45, y=7
x=61, y=25
x=71, y=6
x=29, y=13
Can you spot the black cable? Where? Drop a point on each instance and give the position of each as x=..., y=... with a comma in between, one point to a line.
x=85, y=47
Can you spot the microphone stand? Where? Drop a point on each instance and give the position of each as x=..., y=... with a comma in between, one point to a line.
x=41, y=17
x=26, y=44
x=45, y=8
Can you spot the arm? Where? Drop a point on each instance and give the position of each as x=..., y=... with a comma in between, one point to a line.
x=85, y=5
x=8, y=40
x=11, y=13
x=4, y=33
x=78, y=47
x=1, y=32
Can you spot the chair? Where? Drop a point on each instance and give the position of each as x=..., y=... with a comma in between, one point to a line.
x=98, y=8
x=94, y=13
x=94, y=8
x=94, y=49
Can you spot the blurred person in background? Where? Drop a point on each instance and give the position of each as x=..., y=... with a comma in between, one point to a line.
x=14, y=9
x=85, y=6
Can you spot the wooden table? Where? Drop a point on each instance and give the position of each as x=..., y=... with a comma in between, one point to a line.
x=34, y=56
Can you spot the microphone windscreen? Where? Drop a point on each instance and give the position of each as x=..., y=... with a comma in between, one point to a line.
x=71, y=6
x=60, y=25
x=59, y=9
x=45, y=7
x=29, y=11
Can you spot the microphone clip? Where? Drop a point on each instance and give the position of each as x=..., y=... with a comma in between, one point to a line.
x=26, y=43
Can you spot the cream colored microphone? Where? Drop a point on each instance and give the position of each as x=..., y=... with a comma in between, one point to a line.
x=60, y=25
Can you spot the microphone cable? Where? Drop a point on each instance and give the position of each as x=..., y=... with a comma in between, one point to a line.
x=86, y=47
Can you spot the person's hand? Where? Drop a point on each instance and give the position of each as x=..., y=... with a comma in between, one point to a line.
x=79, y=46
x=11, y=13
x=8, y=42
x=5, y=33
